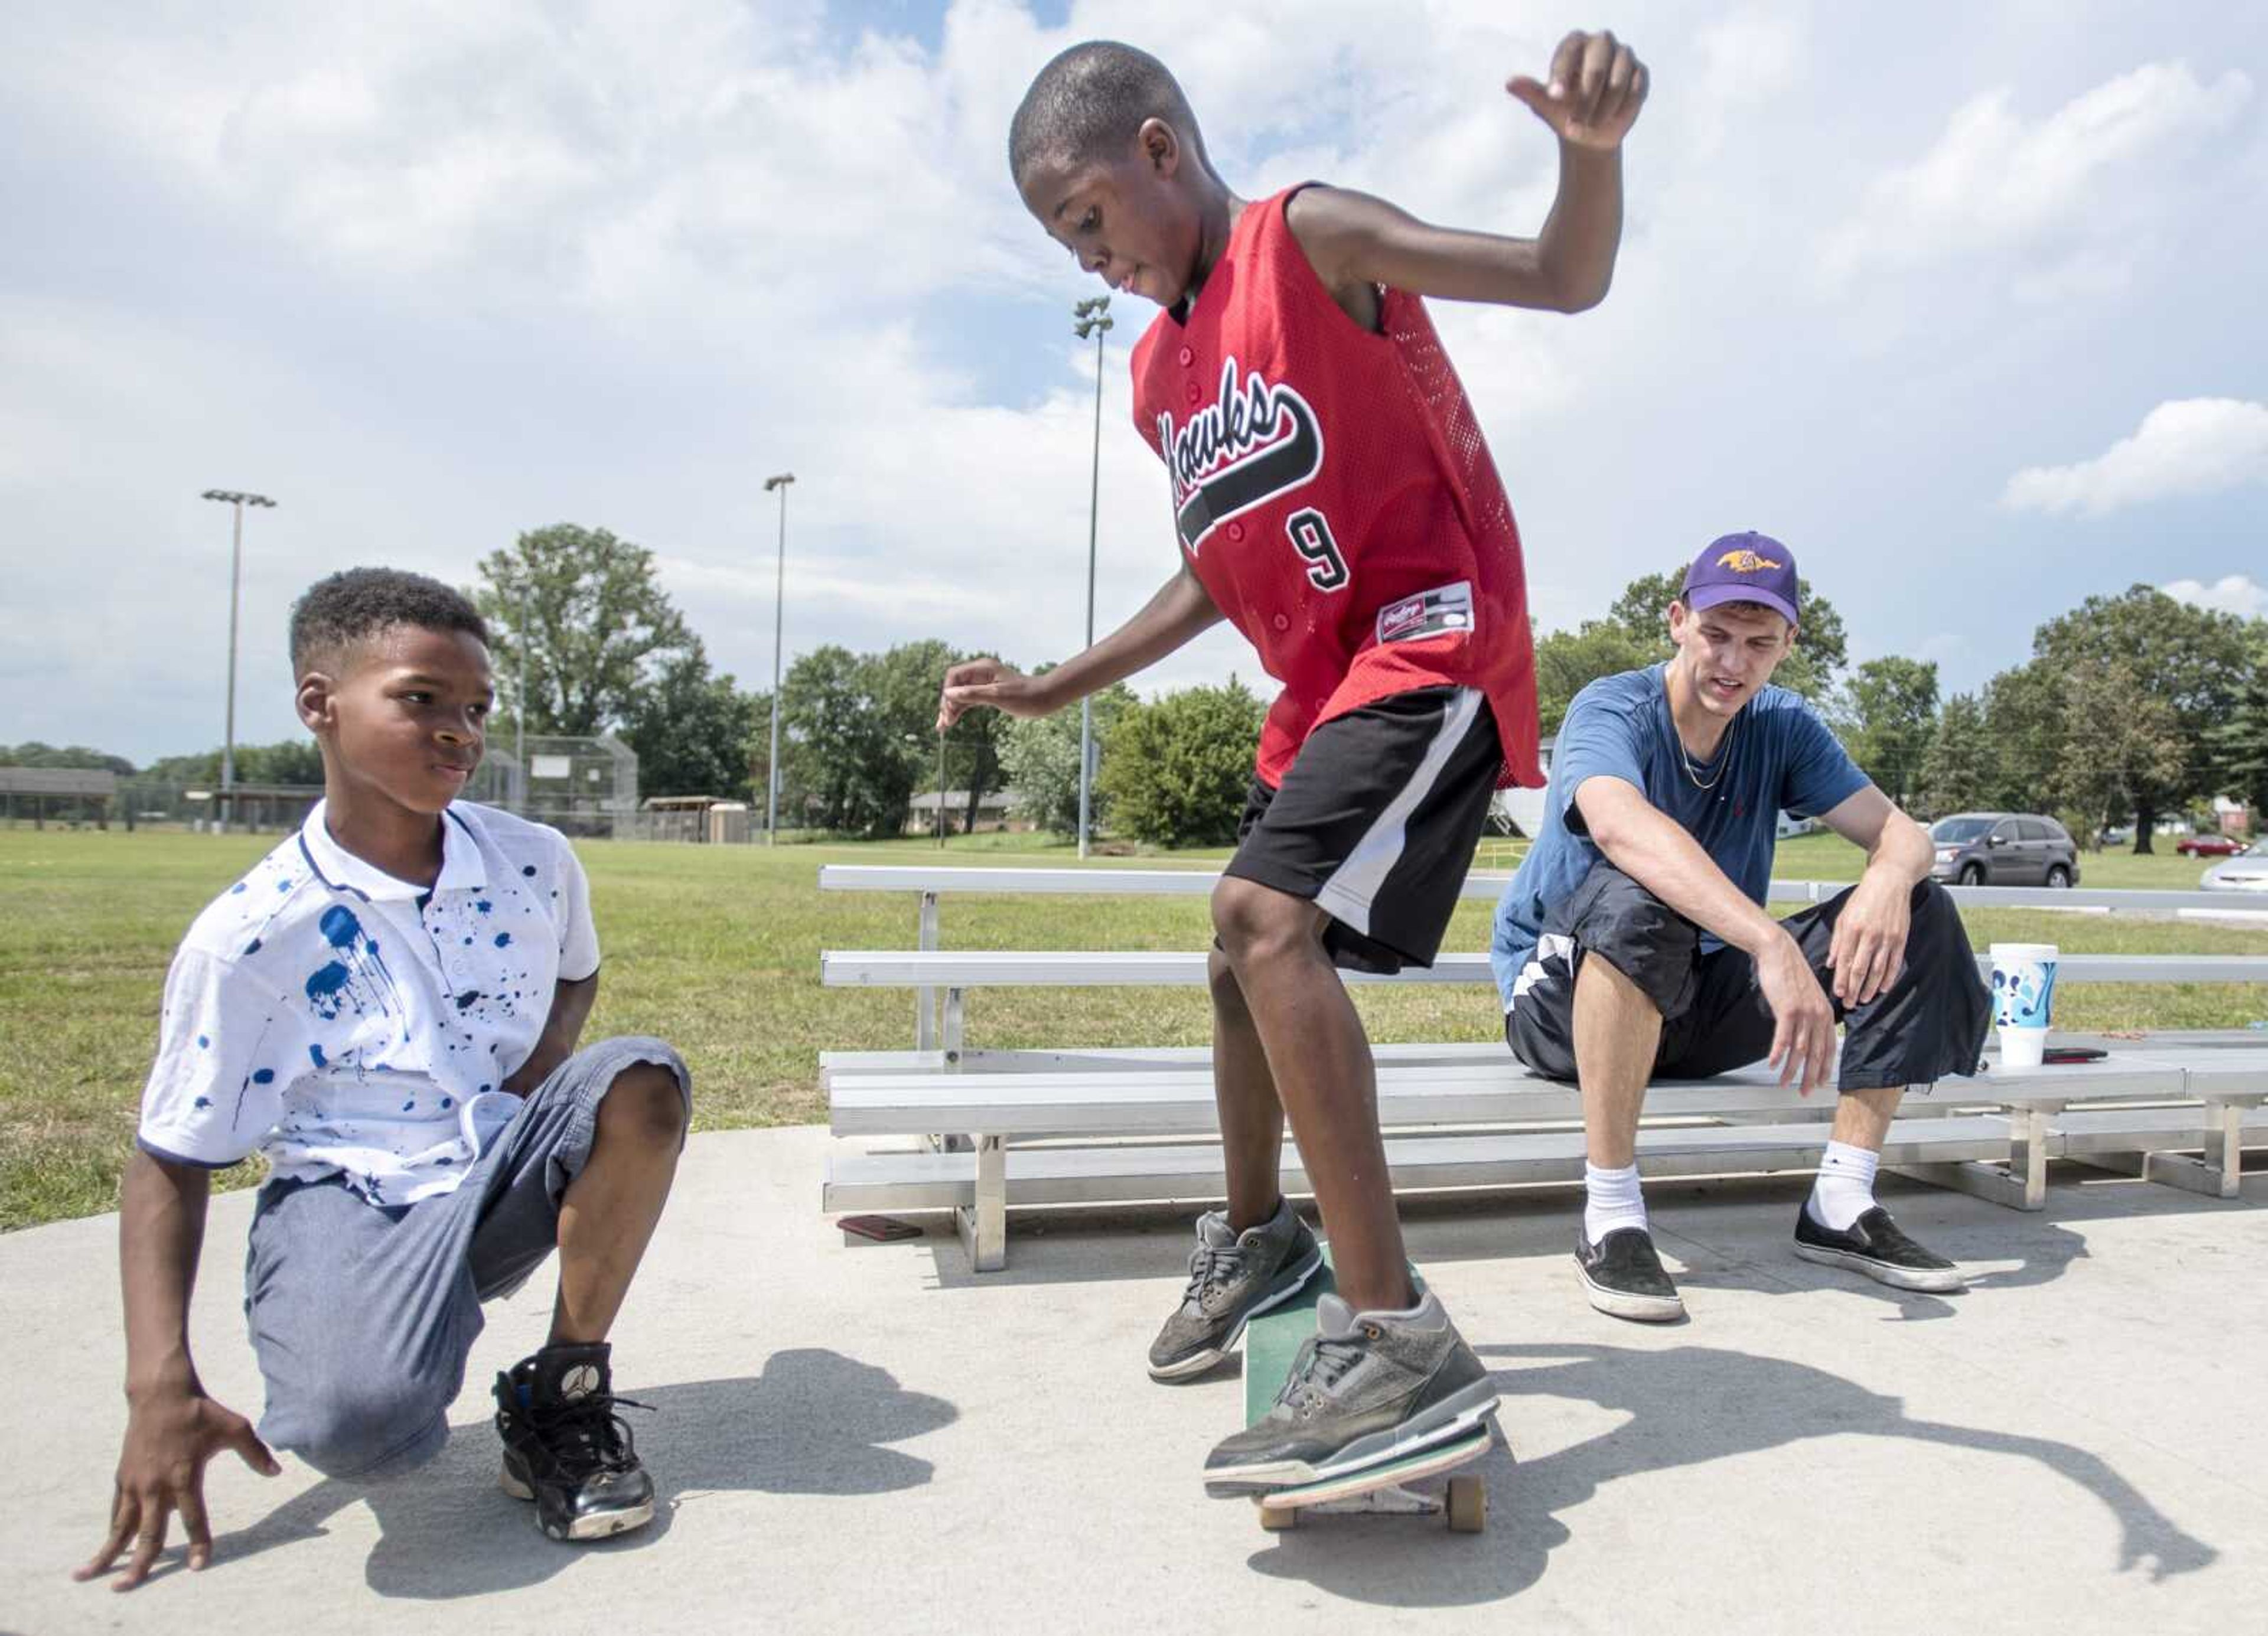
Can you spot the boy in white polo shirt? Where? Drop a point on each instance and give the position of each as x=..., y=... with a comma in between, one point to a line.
x=388, y=1006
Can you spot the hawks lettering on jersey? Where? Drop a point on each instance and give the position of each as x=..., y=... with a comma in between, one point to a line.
x=1254, y=442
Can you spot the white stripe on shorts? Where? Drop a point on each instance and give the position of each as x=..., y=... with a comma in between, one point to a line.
x=1533, y=973
x=1348, y=894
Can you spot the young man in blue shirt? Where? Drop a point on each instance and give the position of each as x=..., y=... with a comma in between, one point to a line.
x=1633, y=944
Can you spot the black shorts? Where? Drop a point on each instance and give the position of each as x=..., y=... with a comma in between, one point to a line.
x=1929, y=1023
x=1376, y=822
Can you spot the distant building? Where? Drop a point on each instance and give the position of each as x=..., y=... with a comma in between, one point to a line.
x=999, y=809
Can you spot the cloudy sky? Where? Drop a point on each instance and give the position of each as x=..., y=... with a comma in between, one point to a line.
x=1963, y=302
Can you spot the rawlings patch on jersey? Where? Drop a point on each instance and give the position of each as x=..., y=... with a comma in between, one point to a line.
x=1254, y=442
x=1434, y=613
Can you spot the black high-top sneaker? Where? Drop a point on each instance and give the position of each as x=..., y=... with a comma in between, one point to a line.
x=565, y=1448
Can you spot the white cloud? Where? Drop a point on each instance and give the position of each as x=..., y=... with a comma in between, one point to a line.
x=1993, y=183
x=2232, y=594
x=2187, y=447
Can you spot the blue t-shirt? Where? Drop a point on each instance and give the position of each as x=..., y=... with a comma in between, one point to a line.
x=1776, y=754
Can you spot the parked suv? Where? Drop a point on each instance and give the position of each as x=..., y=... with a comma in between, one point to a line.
x=2003, y=849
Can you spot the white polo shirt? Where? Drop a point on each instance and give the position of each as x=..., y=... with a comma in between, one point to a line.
x=343, y=1020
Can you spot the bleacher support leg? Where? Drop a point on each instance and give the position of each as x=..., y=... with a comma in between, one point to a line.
x=2020, y=1184
x=925, y=999
x=984, y=1225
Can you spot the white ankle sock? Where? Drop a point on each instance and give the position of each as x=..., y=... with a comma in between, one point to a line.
x=1611, y=1200
x=1846, y=1188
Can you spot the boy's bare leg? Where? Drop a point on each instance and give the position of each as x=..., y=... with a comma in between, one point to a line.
x=1617, y=1033
x=1319, y=1059
x=609, y=1212
x=1862, y=1119
x=1244, y=1090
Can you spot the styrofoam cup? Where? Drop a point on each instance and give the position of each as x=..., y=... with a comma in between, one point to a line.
x=2023, y=1000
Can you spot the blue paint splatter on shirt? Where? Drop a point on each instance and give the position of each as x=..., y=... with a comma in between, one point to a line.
x=315, y=1055
x=357, y=977
x=483, y=906
x=504, y=939
x=529, y=870
x=203, y=1042
x=252, y=949
x=238, y=887
x=263, y=1076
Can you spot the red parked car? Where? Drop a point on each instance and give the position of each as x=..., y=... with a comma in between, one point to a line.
x=2208, y=846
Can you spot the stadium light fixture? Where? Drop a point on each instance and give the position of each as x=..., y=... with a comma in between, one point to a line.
x=238, y=499
x=779, y=625
x=1093, y=319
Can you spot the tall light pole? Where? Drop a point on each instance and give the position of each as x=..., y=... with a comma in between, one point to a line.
x=779, y=625
x=1093, y=318
x=235, y=578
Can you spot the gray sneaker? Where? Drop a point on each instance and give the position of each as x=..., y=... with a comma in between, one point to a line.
x=1233, y=1276
x=1365, y=1388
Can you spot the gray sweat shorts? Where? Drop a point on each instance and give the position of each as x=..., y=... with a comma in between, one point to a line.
x=362, y=1315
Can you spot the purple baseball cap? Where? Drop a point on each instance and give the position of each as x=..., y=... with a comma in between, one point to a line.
x=1746, y=567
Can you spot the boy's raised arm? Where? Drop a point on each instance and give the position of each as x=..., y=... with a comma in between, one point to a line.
x=172, y=1427
x=1592, y=99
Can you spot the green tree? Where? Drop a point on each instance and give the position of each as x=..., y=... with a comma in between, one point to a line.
x=1956, y=767
x=1820, y=651
x=1568, y=661
x=1176, y=771
x=2192, y=660
x=2118, y=738
x=588, y=614
x=1892, y=706
x=1040, y=759
x=31, y=752
x=855, y=772
x=2238, y=744
x=291, y=761
x=904, y=683
x=691, y=730
x=2023, y=734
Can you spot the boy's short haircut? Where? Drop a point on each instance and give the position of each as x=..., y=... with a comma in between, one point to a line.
x=1089, y=102
x=358, y=604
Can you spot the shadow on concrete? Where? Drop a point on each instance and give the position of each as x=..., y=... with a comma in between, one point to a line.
x=814, y=1422
x=1687, y=1405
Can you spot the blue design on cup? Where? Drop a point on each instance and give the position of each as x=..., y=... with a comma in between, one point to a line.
x=2023, y=993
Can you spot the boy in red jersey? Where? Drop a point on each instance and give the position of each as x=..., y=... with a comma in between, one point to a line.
x=1335, y=500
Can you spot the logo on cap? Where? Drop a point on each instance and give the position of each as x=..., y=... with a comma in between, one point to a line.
x=1747, y=562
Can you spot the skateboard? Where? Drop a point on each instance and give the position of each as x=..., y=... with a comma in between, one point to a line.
x=1271, y=1341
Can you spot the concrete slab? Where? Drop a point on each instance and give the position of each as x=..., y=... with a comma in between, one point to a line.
x=867, y=1439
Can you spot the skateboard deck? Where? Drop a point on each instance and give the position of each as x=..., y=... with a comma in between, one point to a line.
x=1271, y=1342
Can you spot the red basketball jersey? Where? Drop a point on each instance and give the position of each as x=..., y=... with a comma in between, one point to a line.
x=1333, y=492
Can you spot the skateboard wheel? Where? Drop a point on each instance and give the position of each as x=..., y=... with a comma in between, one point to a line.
x=1468, y=1504
x=1279, y=1521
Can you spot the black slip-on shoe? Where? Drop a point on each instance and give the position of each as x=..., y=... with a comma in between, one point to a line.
x=1878, y=1247
x=1625, y=1277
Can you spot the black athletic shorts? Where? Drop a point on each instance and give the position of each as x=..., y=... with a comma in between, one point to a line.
x=1376, y=822
x=1929, y=1023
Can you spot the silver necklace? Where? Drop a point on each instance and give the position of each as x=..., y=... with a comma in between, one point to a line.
x=1724, y=751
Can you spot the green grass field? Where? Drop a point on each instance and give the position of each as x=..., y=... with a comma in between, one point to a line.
x=718, y=950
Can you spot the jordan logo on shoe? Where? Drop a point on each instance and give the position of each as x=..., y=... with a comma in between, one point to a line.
x=579, y=1382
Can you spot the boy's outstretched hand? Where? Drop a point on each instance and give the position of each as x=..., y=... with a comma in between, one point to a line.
x=988, y=682
x=1596, y=88
x=169, y=1438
